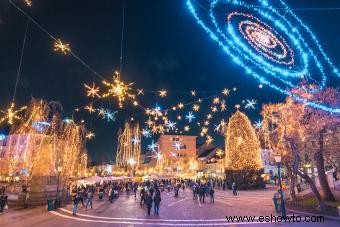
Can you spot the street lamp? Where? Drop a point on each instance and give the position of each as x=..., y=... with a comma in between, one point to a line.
x=278, y=161
x=59, y=169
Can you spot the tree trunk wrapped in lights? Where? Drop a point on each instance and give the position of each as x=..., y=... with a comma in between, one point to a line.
x=129, y=146
x=243, y=156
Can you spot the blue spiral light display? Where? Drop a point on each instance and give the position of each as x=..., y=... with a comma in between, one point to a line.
x=270, y=43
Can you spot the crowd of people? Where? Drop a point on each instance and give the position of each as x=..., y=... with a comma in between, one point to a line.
x=149, y=192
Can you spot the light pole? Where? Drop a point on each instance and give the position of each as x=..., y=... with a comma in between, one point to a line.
x=278, y=161
x=59, y=169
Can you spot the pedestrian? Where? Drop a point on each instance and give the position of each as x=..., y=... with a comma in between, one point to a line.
x=110, y=194
x=135, y=188
x=75, y=204
x=157, y=200
x=275, y=200
x=151, y=190
x=183, y=186
x=148, y=202
x=3, y=202
x=212, y=200
x=89, y=198
x=202, y=194
x=194, y=192
x=101, y=193
x=82, y=196
x=142, y=195
x=233, y=186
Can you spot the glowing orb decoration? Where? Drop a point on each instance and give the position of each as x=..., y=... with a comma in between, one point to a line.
x=270, y=43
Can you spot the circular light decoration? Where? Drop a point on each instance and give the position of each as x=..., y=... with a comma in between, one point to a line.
x=271, y=43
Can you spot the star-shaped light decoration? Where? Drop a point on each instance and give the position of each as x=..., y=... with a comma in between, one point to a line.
x=223, y=106
x=209, y=140
x=193, y=93
x=180, y=105
x=118, y=89
x=140, y=92
x=216, y=100
x=135, y=140
x=196, y=107
x=170, y=125
x=219, y=153
x=146, y=133
x=28, y=2
x=162, y=93
x=206, y=123
x=90, y=108
x=190, y=116
x=90, y=135
x=159, y=155
x=250, y=104
x=214, y=109
x=225, y=91
x=107, y=114
x=258, y=124
x=153, y=146
x=186, y=128
x=92, y=91
x=204, y=130
x=177, y=145
x=59, y=46
x=217, y=128
x=209, y=116
x=12, y=114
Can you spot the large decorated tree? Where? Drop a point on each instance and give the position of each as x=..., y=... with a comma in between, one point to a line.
x=243, y=155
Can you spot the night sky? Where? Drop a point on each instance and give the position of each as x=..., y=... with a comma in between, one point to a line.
x=163, y=48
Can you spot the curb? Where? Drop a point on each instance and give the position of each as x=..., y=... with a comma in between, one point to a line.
x=327, y=217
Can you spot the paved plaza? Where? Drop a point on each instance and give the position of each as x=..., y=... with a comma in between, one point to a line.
x=180, y=211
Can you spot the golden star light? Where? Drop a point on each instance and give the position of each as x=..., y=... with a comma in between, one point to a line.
x=225, y=91
x=28, y=3
x=92, y=91
x=196, y=107
x=118, y=89
x=12, y=114
x=59, y=46
x=162, y=93
x=90, y=108
x=216, y=100
x=90, y=135
x=180, y=105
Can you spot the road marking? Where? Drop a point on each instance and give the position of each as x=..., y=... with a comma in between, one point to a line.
x=225, y=223
x=176, y=202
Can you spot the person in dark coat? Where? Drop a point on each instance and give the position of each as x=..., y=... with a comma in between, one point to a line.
x=76, y=201
x=148, y=202
x=157, y=200
x=3, y=201
x=142, y=196
x=211, y=192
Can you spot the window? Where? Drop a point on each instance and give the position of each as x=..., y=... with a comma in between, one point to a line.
x=175, y=139
x=183, y=147
x=51, y=180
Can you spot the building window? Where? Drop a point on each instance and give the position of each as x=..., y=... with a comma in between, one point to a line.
x=51, y=180
x=183, y=147
x=175, y=139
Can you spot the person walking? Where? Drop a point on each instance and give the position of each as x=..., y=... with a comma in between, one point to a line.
x=89, y=198
x=3, y=201
x=276, y=197
x=135, y=188
x=157, y=200
x=142, y=196
x=194, y=192
x=212, y=200
x=110, y=194
x=76, y=201
x=233, y=187
x=148, y=202
x=101, y=193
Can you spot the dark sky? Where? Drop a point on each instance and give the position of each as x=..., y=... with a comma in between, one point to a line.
x=163, y=48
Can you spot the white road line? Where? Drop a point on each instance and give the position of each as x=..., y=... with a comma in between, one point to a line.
x=225, y=223
x=176, y=202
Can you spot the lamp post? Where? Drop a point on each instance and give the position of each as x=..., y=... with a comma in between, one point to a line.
x=131, y=162
x=59, y=169
x=278, y=161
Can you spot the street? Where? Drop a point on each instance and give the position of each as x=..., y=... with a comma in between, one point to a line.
x=181, y=211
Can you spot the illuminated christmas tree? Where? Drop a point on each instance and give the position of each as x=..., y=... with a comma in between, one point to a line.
x=129, y=146
x=243, y=156
x=243, y=147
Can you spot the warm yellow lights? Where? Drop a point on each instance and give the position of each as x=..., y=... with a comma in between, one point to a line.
x=11, y=114
x=242, y=145
x=59, y=46
x=225, y=91
x=162, y=93
x=92, y=91
x=118, y=89
x=28, y=3
x=196, y=107
x=90, y=135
